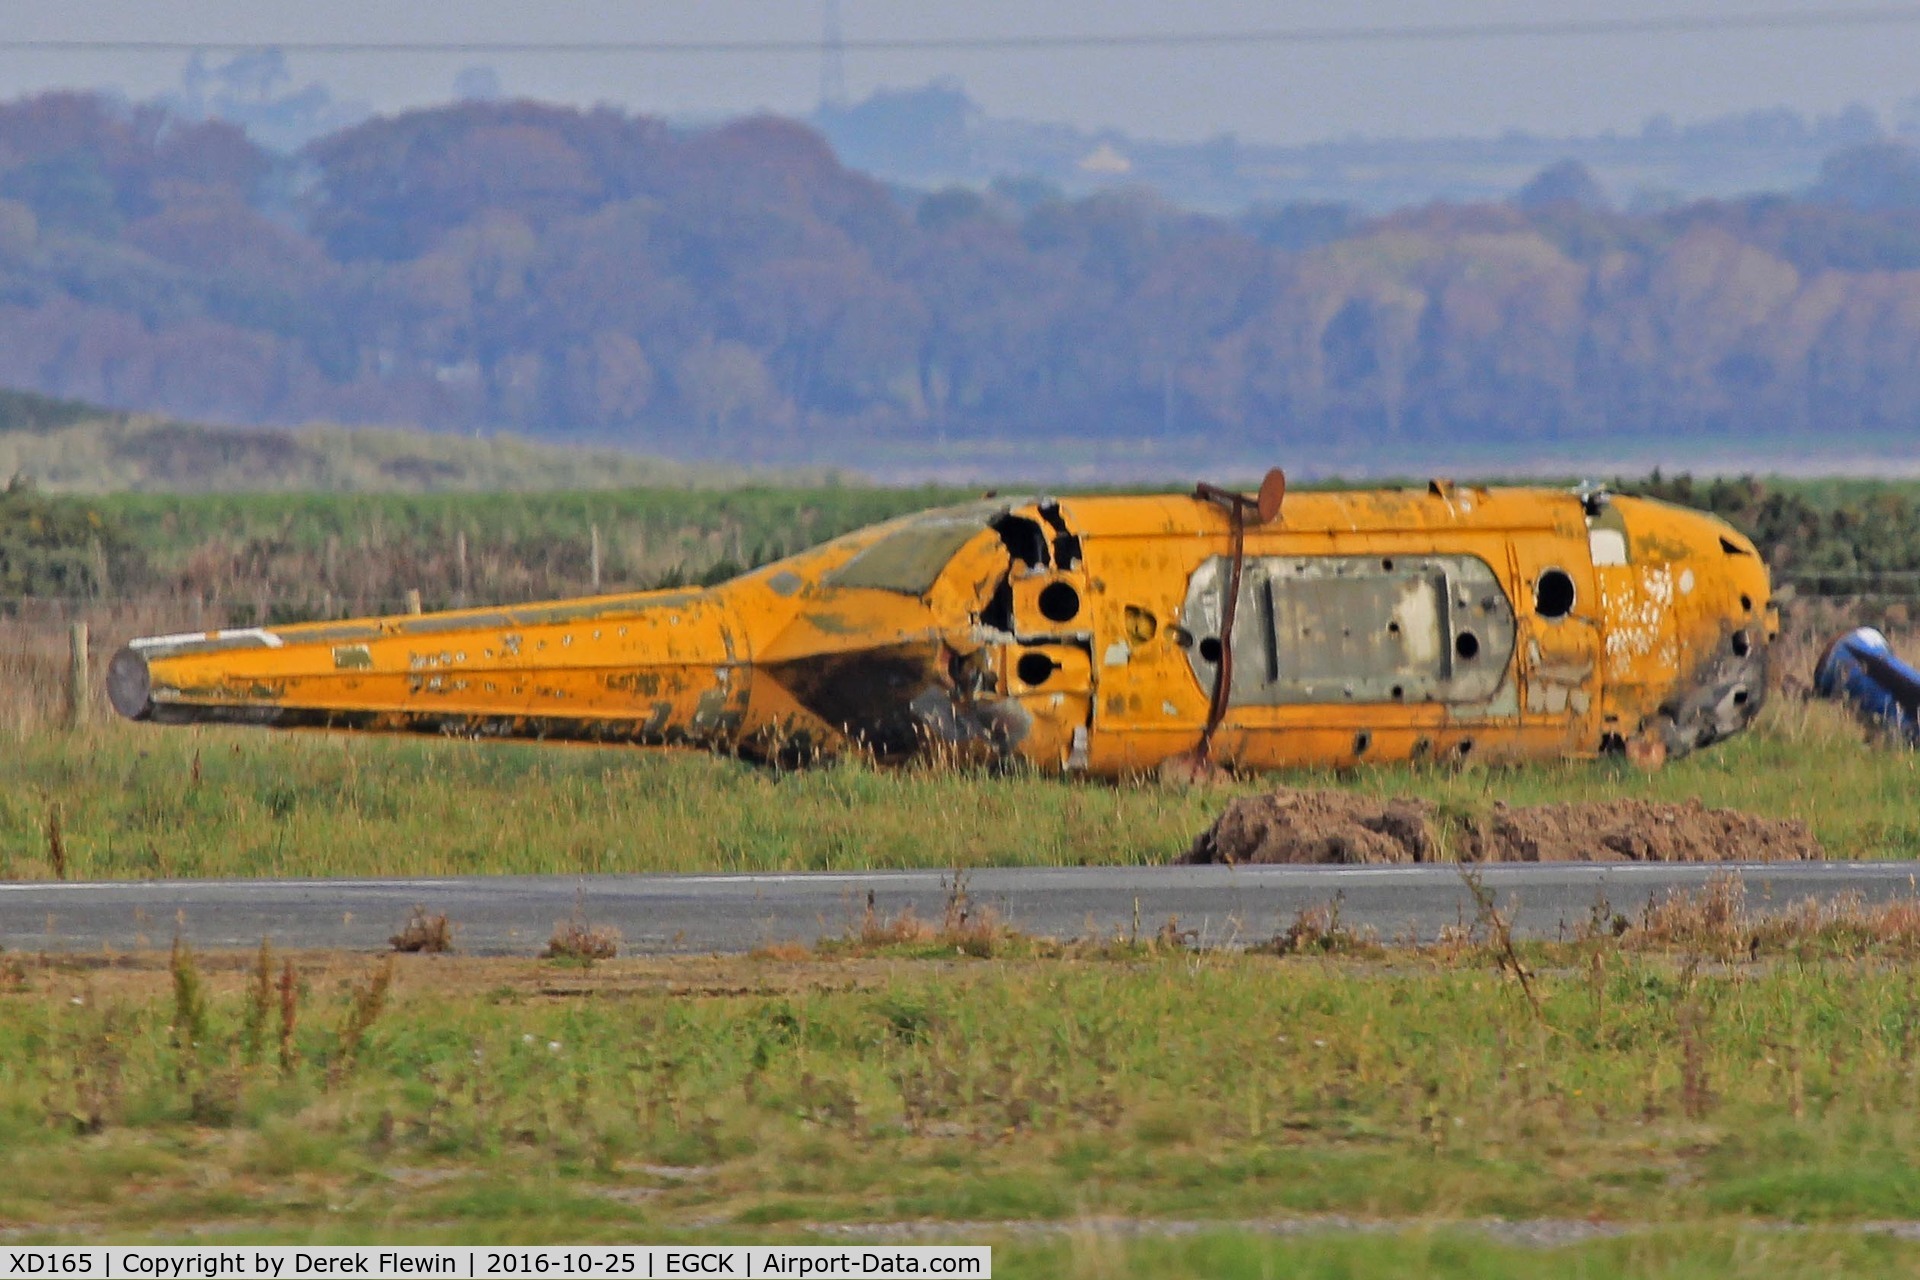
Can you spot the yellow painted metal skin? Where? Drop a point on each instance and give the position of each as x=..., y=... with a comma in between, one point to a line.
x=953, y=654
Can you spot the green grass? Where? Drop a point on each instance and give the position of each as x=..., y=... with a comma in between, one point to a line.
x=760, y=1096
x=68, y=447
x=136, y=801
x=254, y=557
x=1454, y=1255
x=170, y=527
x=303, y=553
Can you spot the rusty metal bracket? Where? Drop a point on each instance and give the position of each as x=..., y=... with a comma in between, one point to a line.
x=1264, y=508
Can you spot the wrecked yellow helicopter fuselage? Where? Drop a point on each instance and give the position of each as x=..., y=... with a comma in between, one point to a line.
x=1080, y=634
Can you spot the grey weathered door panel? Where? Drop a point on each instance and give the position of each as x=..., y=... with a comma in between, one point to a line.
x=1313, y=629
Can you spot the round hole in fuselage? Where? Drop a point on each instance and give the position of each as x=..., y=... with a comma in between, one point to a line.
x=1210, y=649
x=1035, y=668
x=1742, y=644
x=1059, y=602
x=1467, y=645
x=1553, y=594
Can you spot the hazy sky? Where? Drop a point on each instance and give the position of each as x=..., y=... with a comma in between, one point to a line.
x=1262, y=93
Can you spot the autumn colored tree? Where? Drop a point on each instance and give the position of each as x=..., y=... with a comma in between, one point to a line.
x=739, y=290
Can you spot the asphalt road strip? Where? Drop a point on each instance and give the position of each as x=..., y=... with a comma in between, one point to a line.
x=701, y=914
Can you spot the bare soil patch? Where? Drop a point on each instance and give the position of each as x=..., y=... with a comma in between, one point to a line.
x=1337, y=827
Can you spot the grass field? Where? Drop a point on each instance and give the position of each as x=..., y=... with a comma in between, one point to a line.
x=67, y=447
x=1659, y=1087
x=136, y=801
x=1133, y=1109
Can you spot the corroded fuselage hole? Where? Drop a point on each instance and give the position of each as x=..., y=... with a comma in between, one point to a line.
x=1210, y=649
x=1386, y=566
x=1399, y=692
x=1467, y=645
x=1465, y=748
x=1361, y=741
x=1553, y=594
x=1746, y=604
x=1035, y=668
x=1740, y=697
x=1742, y=644
x=1059, y=602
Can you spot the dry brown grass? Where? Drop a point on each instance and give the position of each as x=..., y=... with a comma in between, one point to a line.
x=965, y=927
x=1712, y=919
x=424, y=933
x=781, y=952
x=1319, y=930
x=34, y=654
x=1716, y=922
x=576, y=941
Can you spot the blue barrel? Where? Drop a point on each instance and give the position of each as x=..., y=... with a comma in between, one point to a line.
x=1860, y=669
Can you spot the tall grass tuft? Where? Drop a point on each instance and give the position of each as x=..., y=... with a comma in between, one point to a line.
x=189, y=1000
x=56, y=844
x=575, y=941
x=289, y=990
x=368, y=1001
x=260, y=1004
x=432, y=934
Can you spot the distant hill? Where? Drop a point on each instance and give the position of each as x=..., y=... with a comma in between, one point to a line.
x=738, y=295
x=64, y=446
x=935, y=136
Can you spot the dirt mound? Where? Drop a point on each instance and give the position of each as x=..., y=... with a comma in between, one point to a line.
x=1319, y=827
x=1638, y=831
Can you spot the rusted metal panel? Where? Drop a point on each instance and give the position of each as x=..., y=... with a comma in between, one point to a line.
x=1330, y=629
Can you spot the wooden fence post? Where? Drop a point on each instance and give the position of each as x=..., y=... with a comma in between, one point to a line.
x=594, y=557
x=79, y=669
x=460, y=569
x=413, y=600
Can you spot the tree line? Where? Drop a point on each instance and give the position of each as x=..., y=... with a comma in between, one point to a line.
x=736, y=291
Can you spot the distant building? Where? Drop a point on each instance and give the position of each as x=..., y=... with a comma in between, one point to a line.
x=1106, y=160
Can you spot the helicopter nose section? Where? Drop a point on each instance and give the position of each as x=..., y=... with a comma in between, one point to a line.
x=1689, y=624
x=1722, y=695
